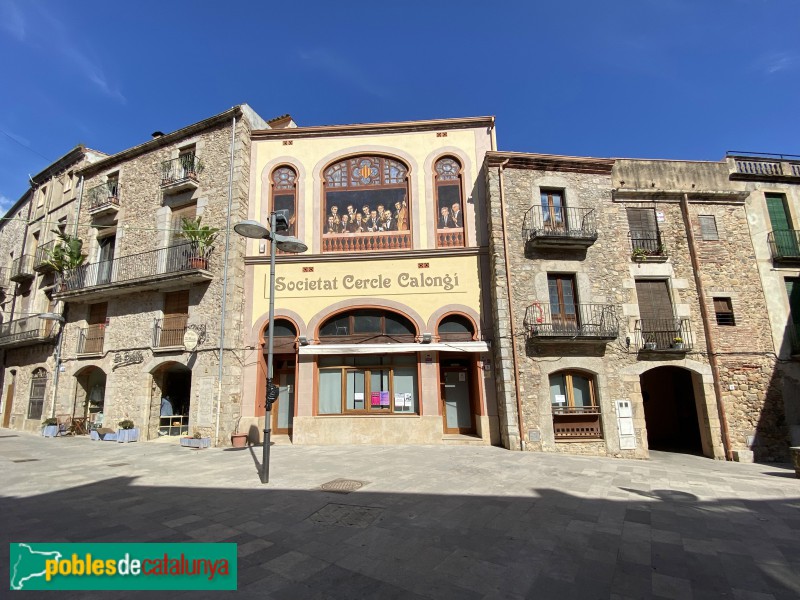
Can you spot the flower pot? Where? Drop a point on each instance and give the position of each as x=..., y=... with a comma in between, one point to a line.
x=239, y=440
x=188, y=442
x=93, y=435
x=128, y=435
x=198, y=263
x=649, y=345
x=795, y=451
x=678, y=346
x=50, y=430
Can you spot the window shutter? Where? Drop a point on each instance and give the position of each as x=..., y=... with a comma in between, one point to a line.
x=708, y=227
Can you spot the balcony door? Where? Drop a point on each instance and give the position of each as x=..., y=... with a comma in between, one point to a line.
x=178, y=254
x=553, y=214
x=563, y=303
x=656, y=316
x=176, y=316
x=95, y=332
x=644, y=229
x=105, y=262
x=781, y=222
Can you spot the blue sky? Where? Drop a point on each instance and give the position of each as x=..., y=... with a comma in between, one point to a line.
x=636, y=78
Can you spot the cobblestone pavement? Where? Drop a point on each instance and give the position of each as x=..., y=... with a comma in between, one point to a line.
x=429, y=522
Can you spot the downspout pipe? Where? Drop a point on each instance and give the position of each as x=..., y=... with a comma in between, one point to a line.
x=225, y=283
x=710, y=344
x=78, y=210
x=511, y=306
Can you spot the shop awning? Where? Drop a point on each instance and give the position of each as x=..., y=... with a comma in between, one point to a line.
x=394, y=348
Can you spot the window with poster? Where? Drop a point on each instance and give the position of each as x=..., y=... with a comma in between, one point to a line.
x=366, y=205
x=284, y=195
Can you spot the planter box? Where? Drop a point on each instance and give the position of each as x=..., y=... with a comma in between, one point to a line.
x=50, y=431
x=188, y=442
x=127, y=435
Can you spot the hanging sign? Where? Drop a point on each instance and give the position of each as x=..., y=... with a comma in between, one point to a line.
x=190, y=339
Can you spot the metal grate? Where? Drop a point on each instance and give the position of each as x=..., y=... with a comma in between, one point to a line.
x=345, y=515
x=342, y=486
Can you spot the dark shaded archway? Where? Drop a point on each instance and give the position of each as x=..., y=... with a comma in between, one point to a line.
x=670, y=410
x=171, y=381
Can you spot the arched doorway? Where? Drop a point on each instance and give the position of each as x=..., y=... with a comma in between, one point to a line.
x=284, y=364
x=170, y=402
x=91, y=394
x=457, y=376
x=670, y=410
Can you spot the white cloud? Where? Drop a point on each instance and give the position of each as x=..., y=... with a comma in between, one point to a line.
x=343, y=70
x=777, y=62
x=5, y=204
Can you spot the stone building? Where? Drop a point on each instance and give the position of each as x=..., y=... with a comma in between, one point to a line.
x=27, y=232
x=630, y=311
x=144, y=284
x=381, y=325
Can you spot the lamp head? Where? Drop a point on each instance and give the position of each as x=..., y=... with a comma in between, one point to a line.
x=51, y=317
x=251, y=229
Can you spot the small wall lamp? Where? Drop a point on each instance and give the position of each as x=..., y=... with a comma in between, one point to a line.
x=427, y=338
x=303, y=340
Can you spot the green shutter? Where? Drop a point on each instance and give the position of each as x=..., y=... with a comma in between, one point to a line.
x=778, y=216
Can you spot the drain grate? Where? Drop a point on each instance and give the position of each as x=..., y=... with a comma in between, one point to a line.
x=117, y=465
x=26, y=460
x=342, y=486
x=346, y=515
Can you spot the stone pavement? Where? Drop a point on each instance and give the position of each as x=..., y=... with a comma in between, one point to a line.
x=429, y=522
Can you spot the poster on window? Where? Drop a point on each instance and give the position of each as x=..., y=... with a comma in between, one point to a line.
x=385, y=399
x=375, y=399
x=399, y=402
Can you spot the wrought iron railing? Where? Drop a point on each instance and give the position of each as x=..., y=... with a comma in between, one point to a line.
x=43, y=254
x=646, y=242
x=31, y=328
x=103, y=195
x=187, y=166
x=593, y=321
x=561, y=222
x=366, y=242
x=656, y=335
x=174, y=259
x=91, y=339
x=784, y=244
x=22, y=267
x=577, y=422
x=169, y=331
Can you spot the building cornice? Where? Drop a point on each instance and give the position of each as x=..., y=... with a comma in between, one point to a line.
x=550, y=162
x=368, y=256
x=165, y=140
x=373, y=128
x=655, y=194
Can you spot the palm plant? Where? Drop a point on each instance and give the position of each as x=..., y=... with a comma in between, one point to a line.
x=67, y=254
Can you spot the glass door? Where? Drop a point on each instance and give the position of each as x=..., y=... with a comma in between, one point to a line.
x=456, y=400
x=563, y=304
x=283, y=409
x=553, y=210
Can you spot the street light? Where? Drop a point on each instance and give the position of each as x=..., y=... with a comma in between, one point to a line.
x=60, y=320
x=255, y=230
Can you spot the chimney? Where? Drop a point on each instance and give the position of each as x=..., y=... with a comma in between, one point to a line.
x=157, y=134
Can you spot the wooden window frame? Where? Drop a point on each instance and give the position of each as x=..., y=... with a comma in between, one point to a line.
x=284, y=191
x=725, y=318
x=367, y=371
x=551, y=223
x=373, y=337
x=443, y=236
x=38, y=381
x=568, y=375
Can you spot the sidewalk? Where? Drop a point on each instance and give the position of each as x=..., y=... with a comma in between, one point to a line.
x=428, y=522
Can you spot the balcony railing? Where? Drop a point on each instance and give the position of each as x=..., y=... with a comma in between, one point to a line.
x=135, y=267
x=573, y=321
x=181, y=173
x=26, y=331
x=764, y=166
x=43, y=255
x=577, y=422
x=366, y=242
x=664, y=335
x=563, y=226
x=169, y=331
x=91, y=339
x=449, y=238
x=647, y=244
x=784, y=245
x=22, y=268
x=103, y=197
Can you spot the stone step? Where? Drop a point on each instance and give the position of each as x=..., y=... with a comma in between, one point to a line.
x=460, y=439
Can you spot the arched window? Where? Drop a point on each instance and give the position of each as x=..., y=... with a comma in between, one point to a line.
x=36, y=399
x=285, y=336
x=576, y=411
x=367, y=326
x=456, y=328
x=366, y=205
x=449, y=203
x=284, y=195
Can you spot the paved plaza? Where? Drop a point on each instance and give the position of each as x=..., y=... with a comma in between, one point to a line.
x=428, y=522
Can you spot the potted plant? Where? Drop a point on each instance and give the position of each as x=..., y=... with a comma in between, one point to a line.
x=196, y=441
x=127, y=432
x=64, y=257
x=650, y=344
x=639, y=254
x=50, y=427
x=677, y=343
x=201, y=238
x=238, y=440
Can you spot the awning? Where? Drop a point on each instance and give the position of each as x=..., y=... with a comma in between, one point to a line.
x=394, y=348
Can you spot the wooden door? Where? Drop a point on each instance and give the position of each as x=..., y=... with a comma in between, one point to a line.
x=657, y=319
x=456, y=400
x=95, y=331
x=283, y=409
x=553, y=214
x=176, y=315
x=9, y=402
x=644, y=229
x=563, y=303
x=105, y=264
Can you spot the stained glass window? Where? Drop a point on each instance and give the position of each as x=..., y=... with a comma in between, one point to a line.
x=284, y=195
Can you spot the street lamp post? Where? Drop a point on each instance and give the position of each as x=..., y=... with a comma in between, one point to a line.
x=60, y=320
x=255, y=230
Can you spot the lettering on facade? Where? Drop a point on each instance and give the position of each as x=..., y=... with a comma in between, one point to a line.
x=404, y=281
x=123, y=359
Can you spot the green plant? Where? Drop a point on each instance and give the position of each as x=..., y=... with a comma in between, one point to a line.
x=677, y=340
x=201, y=237
x=66, y=254
x=50, y=421
x=197, y=435
x=639, y=253
x=126, y=424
